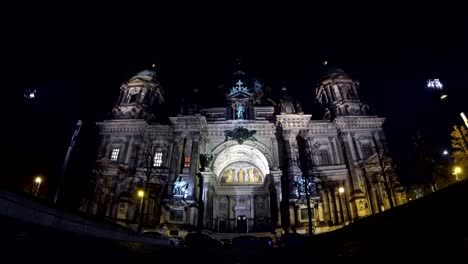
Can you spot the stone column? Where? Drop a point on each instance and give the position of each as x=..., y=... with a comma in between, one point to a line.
x=205, y=195
x=193, y=165
x=276, y=176
x=275, y=153
x=175, y=162
x=353, y=179
x=108, y=147
x=339, y=207
x=334, y=212
x=229, y=214
x=252, y=213
x=102, y=150
x=129, y=150
x=291, y=157
x=325, y=206
x=339, y=151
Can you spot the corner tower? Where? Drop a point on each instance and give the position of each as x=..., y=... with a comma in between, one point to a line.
x=137, y=97
x=338, y=95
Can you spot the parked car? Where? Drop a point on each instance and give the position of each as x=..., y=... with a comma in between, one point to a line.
x=267, y=242
x=292, y=240
x=248, y=242
x=226, y=242
x=201, y=240
x=170, y=241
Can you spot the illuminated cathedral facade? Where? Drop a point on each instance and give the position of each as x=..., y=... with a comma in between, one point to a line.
x=246, y=166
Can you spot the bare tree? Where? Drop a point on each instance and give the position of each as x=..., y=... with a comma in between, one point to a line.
x=460, y=147
x=150, y=167
x=380, y=169
x=96, y=185
x=311, y=181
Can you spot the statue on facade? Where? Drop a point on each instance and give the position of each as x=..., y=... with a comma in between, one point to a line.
x=205, y=160
x=179, y=187
x=240, y=134
x=240, y=111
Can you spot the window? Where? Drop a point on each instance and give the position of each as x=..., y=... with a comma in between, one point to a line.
x=187, y=162
x=305, y=214
x=157, y=159
x=323, y=157
x=115, y=154
x=366, y=149
x=177, y=215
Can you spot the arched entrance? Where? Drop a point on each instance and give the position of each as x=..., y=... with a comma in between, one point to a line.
x=240, y=193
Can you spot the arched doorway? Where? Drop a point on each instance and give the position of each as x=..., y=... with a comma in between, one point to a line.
x=240, y=188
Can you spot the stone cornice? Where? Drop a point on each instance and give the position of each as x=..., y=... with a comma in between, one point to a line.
x=352, y=123
x=122, y=126
x=263, y=129
x=188, y=123
x=132, y=127
x=293, y=121
x=321, y=127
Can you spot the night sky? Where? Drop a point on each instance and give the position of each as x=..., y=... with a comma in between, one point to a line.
x=77, y=56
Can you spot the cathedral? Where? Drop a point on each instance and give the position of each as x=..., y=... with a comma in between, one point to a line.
x=251, y=164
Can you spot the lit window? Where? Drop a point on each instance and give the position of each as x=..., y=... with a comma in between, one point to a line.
x=158, y=159
x=115, y=154
x=187, y=162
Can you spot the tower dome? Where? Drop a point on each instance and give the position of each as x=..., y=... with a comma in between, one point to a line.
x=330, y=72
x=338, y=95
x=145, y=73
x=138, y=95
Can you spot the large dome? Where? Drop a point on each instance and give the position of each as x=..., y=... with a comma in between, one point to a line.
x=333, y=70
x=146, y=73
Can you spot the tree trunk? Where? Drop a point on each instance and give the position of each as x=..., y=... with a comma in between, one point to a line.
x=388, y=191
x=369, y=194
x=309, y=210
x=201, y=204
x=142, y=206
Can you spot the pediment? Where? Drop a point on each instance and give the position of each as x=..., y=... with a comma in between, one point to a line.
x=240, y=95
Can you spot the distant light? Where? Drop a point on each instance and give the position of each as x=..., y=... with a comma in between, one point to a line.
x=443, y=96
x=434, y=84
x=30, y=94
x=153, y=65
x=325, y=63
x=463, y=117
x=457, y=170
x=141, y=193
x=38, y=180
x=445, y=152
x=341, y=190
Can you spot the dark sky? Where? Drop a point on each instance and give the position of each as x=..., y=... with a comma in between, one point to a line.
x=76, y=57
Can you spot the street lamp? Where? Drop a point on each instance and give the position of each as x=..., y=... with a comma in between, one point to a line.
x=457, y=170
x=141, y=194
x=341, y=191
x=445, y=152
x=464, y=119
x=38, y=180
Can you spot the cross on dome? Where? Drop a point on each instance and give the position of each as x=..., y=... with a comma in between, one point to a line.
x=239, y=88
